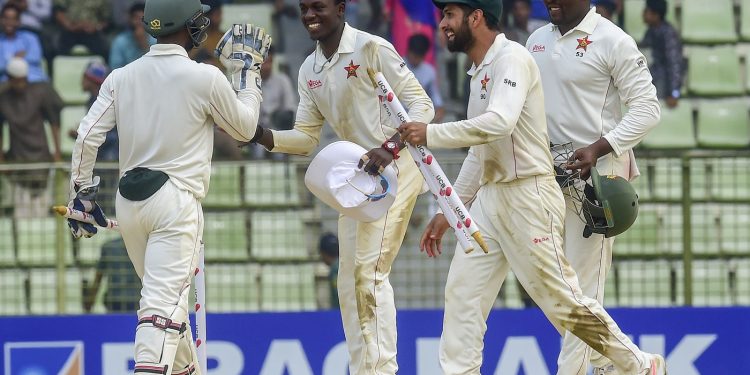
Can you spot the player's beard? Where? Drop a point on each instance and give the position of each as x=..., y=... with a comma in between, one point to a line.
x=462, y=39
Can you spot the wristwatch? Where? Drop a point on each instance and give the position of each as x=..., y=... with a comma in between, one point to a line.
x=392, y=147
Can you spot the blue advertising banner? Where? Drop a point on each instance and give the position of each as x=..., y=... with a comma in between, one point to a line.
x=709, y=341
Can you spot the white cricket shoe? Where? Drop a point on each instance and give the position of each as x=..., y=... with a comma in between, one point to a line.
x=606, y=370
x=658, y=365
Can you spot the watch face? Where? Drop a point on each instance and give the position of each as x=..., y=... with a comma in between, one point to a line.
x=391, y=144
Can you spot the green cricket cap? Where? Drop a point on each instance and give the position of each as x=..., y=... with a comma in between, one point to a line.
x=493, y=8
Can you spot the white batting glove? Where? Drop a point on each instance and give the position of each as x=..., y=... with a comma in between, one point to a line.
x=242, y=50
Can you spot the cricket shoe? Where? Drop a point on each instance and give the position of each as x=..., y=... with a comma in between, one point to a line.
x=658, y=365
x=606, y=370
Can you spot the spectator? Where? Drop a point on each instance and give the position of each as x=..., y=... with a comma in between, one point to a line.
x=278, y=106
x=25, y=106
x=522, y=26
x=120, y=15
x=82, y=22
x=606, y=8
x=132, y=43
x=289, y=39
x=205, y=52
x=19, y=43
x=411, y=17
x=329, y=254
x=34, y=13
x=123, y=285
x=666, y=46
x=419, y=46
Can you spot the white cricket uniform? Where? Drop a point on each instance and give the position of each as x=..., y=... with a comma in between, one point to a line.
x=519, y=208
x=587, y=74
x=164, y=106
x=340, y=92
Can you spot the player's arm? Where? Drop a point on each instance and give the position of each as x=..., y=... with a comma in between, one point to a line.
x=305, y=136
x=634, y=84
x=506, y=101
x=236, y=113
x=92, y=132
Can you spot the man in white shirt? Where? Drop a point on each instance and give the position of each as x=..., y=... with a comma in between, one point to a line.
x=334, y=86
x=517, y=203
x=589, y=68
x=164, y=106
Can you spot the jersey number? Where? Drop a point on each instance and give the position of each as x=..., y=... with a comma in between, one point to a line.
x=579, y=54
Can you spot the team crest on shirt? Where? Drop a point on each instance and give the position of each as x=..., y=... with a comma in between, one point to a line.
x=351, y=70
x=583, y=43
x=484, y=83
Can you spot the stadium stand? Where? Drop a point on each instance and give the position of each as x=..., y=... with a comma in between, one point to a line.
x=714, y=71
x=723, y=124
x=225, y=236
x=708, y=21
x=675, y=130
x=67, y=79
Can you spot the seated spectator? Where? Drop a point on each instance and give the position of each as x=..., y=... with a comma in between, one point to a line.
x=132, y=43
x=667, y=68
x=277, y=108
x=34, y=13
x=522, y=26
x=19, y=43
x=329, y=254
x=82, y=22
x=606, y=8
x=205, y=52
x=123, y=285
x=419, y=47
x=26, y=106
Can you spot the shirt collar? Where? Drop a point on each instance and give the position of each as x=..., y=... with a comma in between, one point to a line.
x=166, y=49
x=489, y=57
x=346, y=44
x=587, y=24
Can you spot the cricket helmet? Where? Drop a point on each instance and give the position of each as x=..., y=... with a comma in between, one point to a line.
x=610, y=205
x=164, y=17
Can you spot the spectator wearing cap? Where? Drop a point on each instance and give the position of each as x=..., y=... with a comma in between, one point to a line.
x=131, y=44
x=82, y=22
x=606, y=8
x=26, y=106
x=667, y=64
x=19, y=43
x=329, y=254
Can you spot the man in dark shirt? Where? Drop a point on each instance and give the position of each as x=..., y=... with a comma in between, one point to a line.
x=666, y=46
x=123, y=284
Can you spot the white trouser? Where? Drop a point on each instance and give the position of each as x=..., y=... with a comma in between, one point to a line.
x=526, y=217
x=366, y=253
x=591, y=258
x=163, y=236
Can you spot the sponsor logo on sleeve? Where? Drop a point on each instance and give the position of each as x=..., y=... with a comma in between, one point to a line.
x=314, y=84
x=537, y=48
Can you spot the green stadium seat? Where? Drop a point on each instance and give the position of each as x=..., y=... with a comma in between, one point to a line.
x=37, y=240
x=13, y=292
x=271, y=183
x=705, y=228
x=708, y=21
x=232, y=287
x=730, y=179
x=645, y=236
x=710, y=283
x=633, y=13
x=675, y=130
x=225, y=236
x=43, y=291
x=734, y=224
x=745, y=21
x=700, y=170
x=641, y=283
x=224, y=188
x=7, y=250
x=714, y=71
x=279, y=235
x=723, y=124
x=90, y=249
x=67, y=77
x=70, y=118
x=257, y=14
x=288, y=287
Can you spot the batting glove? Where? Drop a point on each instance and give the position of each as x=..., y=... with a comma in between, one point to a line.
x=85, y=201
x=242, y=50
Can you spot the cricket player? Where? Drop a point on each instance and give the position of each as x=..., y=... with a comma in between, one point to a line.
x=589, y=68
x=334, y=87
x=517, y=202
x=164, y=106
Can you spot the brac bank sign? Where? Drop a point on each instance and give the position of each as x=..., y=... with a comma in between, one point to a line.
x=694, y=341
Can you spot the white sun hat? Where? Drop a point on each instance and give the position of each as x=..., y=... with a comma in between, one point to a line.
x=333, y=177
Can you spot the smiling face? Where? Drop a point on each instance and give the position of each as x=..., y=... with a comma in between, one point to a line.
x=10, y=21
x=566, y=13
x=455, y=26
x=321, y=18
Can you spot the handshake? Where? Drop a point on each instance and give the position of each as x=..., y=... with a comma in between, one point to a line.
x=243, y=49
